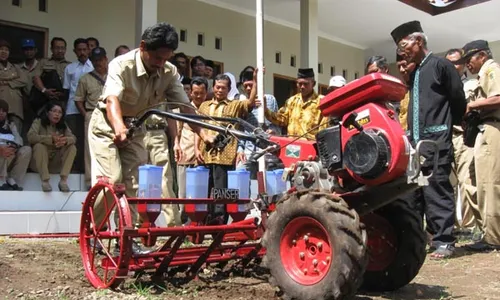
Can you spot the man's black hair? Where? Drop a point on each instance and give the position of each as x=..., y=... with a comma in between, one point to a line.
x=161, y=35
x=244, y=71
x=223, y=77
x=57, y=39
x=79, y=41
x=198, y=80
x=380, y=61
x=452, y=51
x=196, y=59
x=119, y=47
x=186, y=80
x=181, y=54
x=93, y=39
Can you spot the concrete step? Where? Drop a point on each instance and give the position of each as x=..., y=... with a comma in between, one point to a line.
x=32, y=182
x=16, y=201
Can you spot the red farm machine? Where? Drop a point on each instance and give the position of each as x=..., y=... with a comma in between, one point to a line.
x=340, y=226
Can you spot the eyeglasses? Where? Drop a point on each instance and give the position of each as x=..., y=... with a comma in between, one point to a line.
x=403, y=44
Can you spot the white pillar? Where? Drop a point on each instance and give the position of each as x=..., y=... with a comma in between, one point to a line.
x=309, y=35
x=146, y=14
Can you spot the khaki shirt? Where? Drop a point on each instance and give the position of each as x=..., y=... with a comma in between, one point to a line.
x=488, y=86
x=47, y=64
x=89, y=91
x=225, y=108
x=43, y=134
x=301, y=118
x=136, y=89
x=29, y=73
x=12, y=92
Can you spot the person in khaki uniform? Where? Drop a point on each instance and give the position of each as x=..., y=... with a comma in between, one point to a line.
x=300, y=114
x=199, y=91
x=12, y=83
x=136, y=80
x=464, y=175
x=479, y=60
x=56, y=63
x=53, y=146
x=87, y=95
x=14, y=157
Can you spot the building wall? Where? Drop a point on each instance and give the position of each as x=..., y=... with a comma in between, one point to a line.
x=237, y=31
x=110, y=21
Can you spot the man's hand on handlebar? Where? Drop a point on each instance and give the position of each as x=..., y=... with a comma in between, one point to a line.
x=120, y=139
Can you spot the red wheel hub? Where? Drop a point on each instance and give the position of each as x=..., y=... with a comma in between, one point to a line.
x=305, y=250
x=382, y=242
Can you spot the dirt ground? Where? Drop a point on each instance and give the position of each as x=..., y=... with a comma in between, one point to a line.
x=52, y=269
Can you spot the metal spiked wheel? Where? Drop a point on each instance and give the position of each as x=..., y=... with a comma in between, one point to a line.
x=105, y=255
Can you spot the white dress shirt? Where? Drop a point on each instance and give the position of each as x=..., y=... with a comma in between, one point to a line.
x=72, y=75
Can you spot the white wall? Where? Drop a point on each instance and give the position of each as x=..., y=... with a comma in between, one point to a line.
x=237, y=31
x=110, y=21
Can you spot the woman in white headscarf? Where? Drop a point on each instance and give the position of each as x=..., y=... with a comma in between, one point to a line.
x=233, y=92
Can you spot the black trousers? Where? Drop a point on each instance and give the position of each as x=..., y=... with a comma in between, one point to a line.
x=218, y=179
x=76, y=124
x=437, y=202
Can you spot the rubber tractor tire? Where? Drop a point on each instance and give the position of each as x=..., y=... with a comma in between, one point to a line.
x=396, y=247
x=315, y=247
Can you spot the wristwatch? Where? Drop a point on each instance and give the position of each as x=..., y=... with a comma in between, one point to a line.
x=43, y=90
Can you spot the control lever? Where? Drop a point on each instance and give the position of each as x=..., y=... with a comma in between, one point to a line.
x=221, y=141
x=351, y=121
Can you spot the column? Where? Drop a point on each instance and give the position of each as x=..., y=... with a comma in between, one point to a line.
x=309, y=35
x=146, y=14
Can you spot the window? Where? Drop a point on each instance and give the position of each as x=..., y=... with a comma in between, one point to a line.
x=332, y=71
x=293, y=61
x=320, y=68
x=277, y=57
x=201, y=39
x=16, y=2
x=356, y=75
x=218, y=43
x=344, y=74
x=183, y=35
x=42, y=5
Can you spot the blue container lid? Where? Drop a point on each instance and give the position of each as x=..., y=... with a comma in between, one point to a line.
x=242, y=171
x=149, y=167
x=197, y=169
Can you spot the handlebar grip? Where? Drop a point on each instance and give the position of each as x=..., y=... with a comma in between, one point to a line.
x=130, y=132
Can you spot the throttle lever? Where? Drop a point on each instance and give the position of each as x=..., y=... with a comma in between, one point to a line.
x=351, y=120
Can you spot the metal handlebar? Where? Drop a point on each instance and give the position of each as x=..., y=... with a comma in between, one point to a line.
x=260, y=140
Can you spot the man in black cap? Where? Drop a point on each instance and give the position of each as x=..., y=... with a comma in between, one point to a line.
x=87, y=95
x=437, y=101
x=477, y=56
x=300, y=114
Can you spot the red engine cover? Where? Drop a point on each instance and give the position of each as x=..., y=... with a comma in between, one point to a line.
x=375, y=87
x=379, y=117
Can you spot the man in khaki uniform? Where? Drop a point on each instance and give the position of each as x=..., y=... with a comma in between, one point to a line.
x=199, y=91
x=136, y=80
x=465, y=192
x=479, y=60
x=56, y=63
x=87, y=95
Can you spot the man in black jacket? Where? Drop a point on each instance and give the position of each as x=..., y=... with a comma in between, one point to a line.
x=437, y=102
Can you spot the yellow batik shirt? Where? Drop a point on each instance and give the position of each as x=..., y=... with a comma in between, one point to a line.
x=228, y=109
x=299, y=117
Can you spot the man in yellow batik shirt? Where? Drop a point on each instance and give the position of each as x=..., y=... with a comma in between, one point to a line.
x=301, y=114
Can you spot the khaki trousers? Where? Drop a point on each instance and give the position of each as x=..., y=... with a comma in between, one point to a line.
x=15, y=166
x=47, y=159
x=156, y=143
x=119, y=165
x=488, y=180
x=88, y=179
x=466, y=177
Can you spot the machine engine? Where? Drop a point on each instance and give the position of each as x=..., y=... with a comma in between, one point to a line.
x=365, y=139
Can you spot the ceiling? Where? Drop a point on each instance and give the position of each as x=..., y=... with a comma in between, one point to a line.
x=367, y=24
